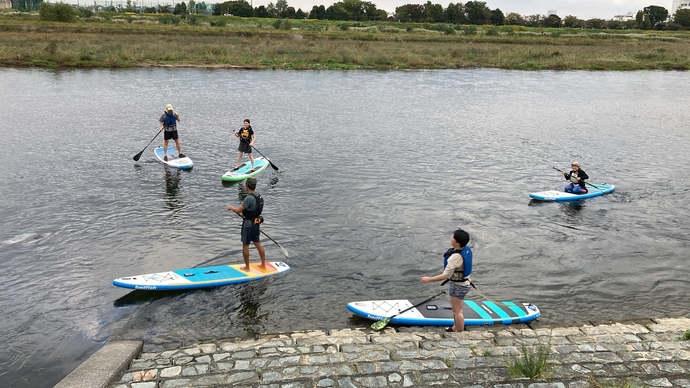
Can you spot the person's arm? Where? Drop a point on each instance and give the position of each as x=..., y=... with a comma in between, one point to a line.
x=177, y=117
x=429, y=279
x=251, y=143
x=237, y=210
x=583, y=175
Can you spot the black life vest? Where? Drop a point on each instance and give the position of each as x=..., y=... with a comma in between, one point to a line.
x=251, y=215
x=466, y=253
x=169, y=120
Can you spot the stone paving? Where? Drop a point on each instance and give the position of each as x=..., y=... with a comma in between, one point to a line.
x=648, y=354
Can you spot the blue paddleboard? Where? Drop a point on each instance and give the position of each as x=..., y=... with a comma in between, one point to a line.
x=594, y=190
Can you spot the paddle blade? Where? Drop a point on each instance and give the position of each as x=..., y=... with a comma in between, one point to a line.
x=137, y=156
x=273, y=166
x=378, y=325
x=285, y=252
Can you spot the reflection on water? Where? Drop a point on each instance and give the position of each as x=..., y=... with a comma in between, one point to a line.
x=252, y=320
x=173, y=176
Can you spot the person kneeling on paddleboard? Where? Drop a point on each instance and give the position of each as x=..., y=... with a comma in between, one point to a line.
x=577, y=180
x=457, y=266
x=251, y=209
x=168, y=122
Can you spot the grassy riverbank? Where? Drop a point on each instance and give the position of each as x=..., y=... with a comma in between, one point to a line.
x=120, y=41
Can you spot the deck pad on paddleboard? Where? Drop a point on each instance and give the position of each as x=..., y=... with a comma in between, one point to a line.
x=438, y=312
x=594, y=190
x=245, y=170
x=200, y=277
x=174, y=159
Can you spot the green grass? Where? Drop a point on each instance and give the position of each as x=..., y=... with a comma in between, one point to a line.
x=533, y=362
x=685, y=336
x=111, y=40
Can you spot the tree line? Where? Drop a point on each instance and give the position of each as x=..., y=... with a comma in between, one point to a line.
x=471, y=12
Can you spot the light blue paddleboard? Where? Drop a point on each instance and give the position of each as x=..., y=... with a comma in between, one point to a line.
x=174, y=159
x=594, y=190
x=245, y=170
x=438, y=312
x=200, y=277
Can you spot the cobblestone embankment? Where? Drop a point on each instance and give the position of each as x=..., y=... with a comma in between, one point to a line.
x=650, y=353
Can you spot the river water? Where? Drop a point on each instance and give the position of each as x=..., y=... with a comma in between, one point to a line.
x=376, y=169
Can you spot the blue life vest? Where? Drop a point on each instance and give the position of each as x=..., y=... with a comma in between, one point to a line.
x=466, y=254
x=169, y=120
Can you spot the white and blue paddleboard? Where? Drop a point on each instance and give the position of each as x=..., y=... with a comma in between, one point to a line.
x=594, y=190
x=245, y=170
x=200, y=277
x=438, y=312
x=174, y=159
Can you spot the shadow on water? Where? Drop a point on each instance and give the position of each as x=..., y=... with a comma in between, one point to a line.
x=138, y=297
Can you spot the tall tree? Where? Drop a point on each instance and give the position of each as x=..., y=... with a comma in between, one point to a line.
x=682, y=17
x=477, y=12
x=497, y=17
x=657, y=15
x=571, y=21
x=455, y=13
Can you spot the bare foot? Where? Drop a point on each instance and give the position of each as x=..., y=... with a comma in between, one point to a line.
x=262, y=266
x=245, y=269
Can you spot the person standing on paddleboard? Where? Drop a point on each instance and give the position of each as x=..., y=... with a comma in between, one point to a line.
x=247, y=138
x=457, y=266
x=577, y=179
x=251, y=209
x=168, y=122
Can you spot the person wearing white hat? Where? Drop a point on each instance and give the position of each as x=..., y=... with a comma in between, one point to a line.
x=168, y=122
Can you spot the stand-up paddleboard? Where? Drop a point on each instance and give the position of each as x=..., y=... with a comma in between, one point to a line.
x=173, y=158
x=245, y=170
x=437, y=312
x=562, y=196
x=201, y=277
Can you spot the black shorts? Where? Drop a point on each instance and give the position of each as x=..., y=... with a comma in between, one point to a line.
x=244, y=147
x=167, y=135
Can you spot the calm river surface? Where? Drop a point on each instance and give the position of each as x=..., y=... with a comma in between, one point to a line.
x=376, y=171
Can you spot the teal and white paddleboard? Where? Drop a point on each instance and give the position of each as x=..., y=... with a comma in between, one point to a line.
x=200, y=277
x=594, y=190
x=174, y=159
x=438, y=312
x=245, y=170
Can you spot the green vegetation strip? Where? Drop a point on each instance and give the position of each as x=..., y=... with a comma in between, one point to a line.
x=122, y=41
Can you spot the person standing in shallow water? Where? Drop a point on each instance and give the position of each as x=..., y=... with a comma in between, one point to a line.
x=457, y=266
x=577, y=178
x=168, y=122
x=250, y=209
x=247, y=138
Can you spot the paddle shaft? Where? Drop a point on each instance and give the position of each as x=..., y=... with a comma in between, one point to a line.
x=417, y=305
x=273, y=166
x=587, y=183
x=137, y=156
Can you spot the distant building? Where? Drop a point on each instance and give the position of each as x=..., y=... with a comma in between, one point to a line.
x=627, y=17
x=554, y=12
x=4, y=4
x=679, y=4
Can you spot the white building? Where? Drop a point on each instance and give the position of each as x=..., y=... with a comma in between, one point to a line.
x=624, y=18
x=679, y=4
x=5, y=4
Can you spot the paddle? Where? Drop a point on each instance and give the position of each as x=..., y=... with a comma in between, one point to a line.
x=378, y=325
x=285, y=252
x=273, y=166
x=137, y=156
x=587, y=183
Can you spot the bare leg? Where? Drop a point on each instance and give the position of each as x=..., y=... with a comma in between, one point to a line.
x=245, y=254
x=262, y=254
x=456, y=304
x=165, y=147
x=251, y=157
x=177, y=143
x=239, y=159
